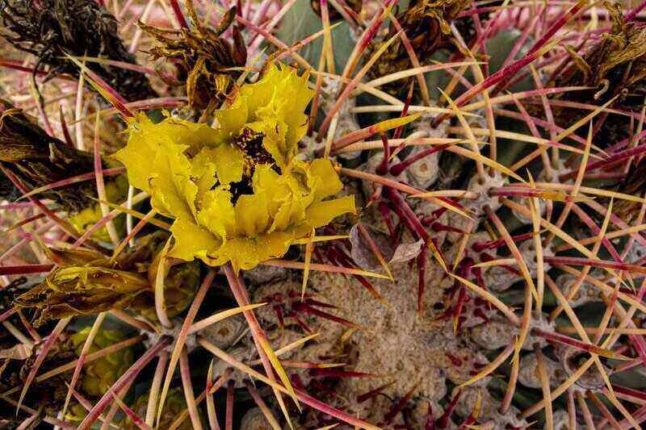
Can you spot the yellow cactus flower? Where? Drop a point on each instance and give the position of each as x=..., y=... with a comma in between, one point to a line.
x=236, y=191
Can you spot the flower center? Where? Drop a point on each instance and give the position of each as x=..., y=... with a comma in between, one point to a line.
x=240, y=188
x=250, y=143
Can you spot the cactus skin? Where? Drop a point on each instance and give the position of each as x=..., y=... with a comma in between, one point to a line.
x=100, y=374
x=175, y=404
x=492, y=276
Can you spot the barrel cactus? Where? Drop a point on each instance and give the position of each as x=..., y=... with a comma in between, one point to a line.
x=313, y=214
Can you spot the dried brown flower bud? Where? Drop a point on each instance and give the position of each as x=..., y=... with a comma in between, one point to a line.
x=86, y=283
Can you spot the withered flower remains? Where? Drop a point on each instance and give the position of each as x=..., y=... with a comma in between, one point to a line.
x=207, y=63
x=427, y=26
x=52, y=29
x=615, y=66
x=38, y=159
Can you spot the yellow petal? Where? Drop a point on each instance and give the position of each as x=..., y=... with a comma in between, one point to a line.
x=203, y=171
x=145, y=139
x=217, y=214
x=252, y=215
x=232, y=119
x=276, y=105
x=138, y=152
x=282, y=94
x=247, y=253
x=324, y=180
x=292, y=212
x=184, y=132
x=322, y=213
x=261, y=93
x=192, y=241
x=265, y=179
x=173, y=193
x=229, y=162
x=274, y=139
